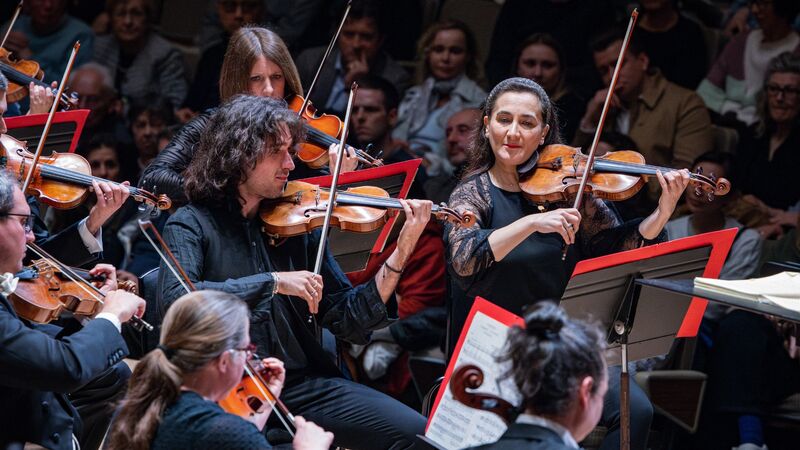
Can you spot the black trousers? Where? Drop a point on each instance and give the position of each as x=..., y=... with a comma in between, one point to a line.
x=95, y=402
x=358, y=416
x=641, y=413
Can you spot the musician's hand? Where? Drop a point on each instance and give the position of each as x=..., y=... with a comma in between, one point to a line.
x=356, y=68
x=303, y=284
x=110, y=284
x=595, y=107
x=124, y=305
x=350, y=161
x=738, y=23
x=276, y=375
x=673, y=184
x=110, y=198
x=564, y=221
x=41, y=98
x=310, y=436
x=18, y=44
x=418, y=213
x=783, y=217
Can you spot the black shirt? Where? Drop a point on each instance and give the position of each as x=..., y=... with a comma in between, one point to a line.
x=773, y=181
x=680, y=52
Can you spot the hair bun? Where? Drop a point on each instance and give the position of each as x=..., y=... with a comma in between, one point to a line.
x=545, y=320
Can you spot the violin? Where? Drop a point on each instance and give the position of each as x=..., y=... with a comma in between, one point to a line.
x=21, y=73
x=471, y=377
x=614, y=176
x=251, y=394
x=359, y=209
x=322, y=131
x=62, y=180
x=44, y=292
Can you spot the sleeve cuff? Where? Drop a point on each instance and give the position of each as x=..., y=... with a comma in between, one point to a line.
x=111, y=318
x=93, y=243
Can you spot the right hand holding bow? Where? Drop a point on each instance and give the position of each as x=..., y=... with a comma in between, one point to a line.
x=303, y=284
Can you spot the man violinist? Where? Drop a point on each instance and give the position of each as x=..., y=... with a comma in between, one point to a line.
x=38, y=370
x=243, y=162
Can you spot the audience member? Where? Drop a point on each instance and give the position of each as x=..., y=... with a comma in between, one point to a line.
x=541, y=59
x=557, y=365
x=147, y=122
x=358, y=52
x=95, y=88
x=204, y=90
x=666, y=34
x=460, y=131
x=738, y=18
x=737, y=76
x=668, y=123
x=769, y=150
x=447, y=72
x=46, y=33
x=142, y=63
x=570, y=22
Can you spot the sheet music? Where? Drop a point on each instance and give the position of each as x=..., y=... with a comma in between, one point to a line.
x=455, y=425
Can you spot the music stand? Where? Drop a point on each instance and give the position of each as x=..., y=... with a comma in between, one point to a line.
x=64, y=132
x=607, y=290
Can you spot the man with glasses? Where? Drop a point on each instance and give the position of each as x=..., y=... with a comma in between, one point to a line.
x=39, y=366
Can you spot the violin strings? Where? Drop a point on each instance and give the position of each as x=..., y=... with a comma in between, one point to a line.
x=636, y=169
x=62, y=174
x=270, y=402
x=67, y=271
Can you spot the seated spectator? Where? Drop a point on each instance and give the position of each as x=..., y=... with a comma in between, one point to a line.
x=460, y=130
x=570, y=22
x=769, y=149
x=558, y=367
x=204, y=90
x=147, y=122
x=668, y=123
x=95, y=88
x=666, y=34
x=738, y=18
x=46, y=33
x=358, y=52
x=737, y=76
x=541, y=59
x=447, y=72
x=142, y=63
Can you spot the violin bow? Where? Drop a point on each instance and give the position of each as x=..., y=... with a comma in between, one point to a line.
x=51, y=115
x=325, y=58
x=601, y=123
x=169, y=259
x=11, y=24
x=137, y=322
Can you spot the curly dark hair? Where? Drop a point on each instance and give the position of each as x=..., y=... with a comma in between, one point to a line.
x=480, y=154
x=550, y=357
x=240, y=134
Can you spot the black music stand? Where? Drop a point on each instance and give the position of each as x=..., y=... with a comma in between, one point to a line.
x=641, y=321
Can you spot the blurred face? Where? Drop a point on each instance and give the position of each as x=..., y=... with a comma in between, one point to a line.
x=233, y=14
x=700, y=203
x=145, y=130
x=632, y=74
x=655, y=5
x=3, y=107
x=13, y=236
x=539, y=63
x=46, y=14
x=360, y=38
x=92, y=95
x=783, y=90
x=370, y=120
x=447, y=54
x=270, y=175
x=129, y=21
x=593, y=409
x=104, y=163
x=764, y=12
x=459, y=131
x=266, y=79
x=515, y=129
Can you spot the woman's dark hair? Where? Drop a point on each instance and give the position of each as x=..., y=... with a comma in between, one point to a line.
x=551, y=356
x=240, y=134
x=786, y=9
x=786, y=62
x=480, y=154
x=548, y=40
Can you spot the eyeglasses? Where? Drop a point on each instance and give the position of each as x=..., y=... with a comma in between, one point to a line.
x=790, y=92
x=248, y=351
x=248, y=7
x=26, y=220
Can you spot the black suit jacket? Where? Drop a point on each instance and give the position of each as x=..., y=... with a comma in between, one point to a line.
x=37, y=370
x=523, y=436
x=66, y=246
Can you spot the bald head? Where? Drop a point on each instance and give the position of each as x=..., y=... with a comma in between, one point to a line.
x=460, y=130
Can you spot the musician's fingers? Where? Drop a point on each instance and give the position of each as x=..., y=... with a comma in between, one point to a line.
x=102, y=198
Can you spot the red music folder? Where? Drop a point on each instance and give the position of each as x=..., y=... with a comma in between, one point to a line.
x=65, y=131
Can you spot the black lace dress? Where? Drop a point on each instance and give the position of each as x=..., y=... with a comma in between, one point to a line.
x=534, y=270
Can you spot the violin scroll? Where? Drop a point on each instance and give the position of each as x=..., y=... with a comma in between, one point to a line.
x=471, y=377
x=465, y=219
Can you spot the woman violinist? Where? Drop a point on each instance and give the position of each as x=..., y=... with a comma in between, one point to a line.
x=205, y=341
x=256, y=62
x=513, y=254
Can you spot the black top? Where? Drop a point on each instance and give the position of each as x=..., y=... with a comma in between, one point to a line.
x=773, y=181
x=204, y=90
x=195, y=423
x=523, y=436
x=680, y=52
x=570, y=107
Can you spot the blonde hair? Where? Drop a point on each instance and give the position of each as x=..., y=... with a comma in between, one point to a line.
x=198, y=328
x=244, y=48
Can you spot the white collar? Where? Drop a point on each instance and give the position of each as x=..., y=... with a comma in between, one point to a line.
x=566, y=436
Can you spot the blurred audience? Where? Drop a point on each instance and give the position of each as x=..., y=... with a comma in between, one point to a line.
x=95, y=88
x=147, y=121
x=460, y=129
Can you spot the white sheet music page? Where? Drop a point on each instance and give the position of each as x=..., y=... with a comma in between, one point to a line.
x=455, y=425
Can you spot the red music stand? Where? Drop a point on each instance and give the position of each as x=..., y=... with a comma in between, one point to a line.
x=64, y=131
